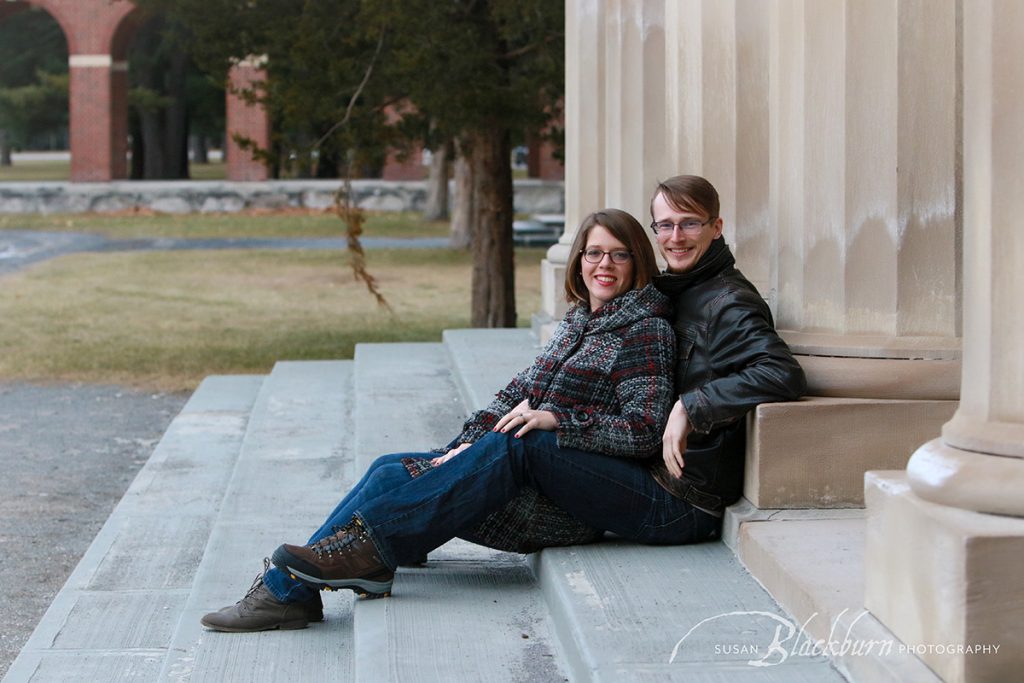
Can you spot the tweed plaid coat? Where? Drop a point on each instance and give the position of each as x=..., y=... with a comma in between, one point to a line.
x=607, y=377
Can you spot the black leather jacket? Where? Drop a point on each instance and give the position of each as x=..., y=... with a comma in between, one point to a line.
x=729, y=359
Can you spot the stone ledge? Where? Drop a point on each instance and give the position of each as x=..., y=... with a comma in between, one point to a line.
x=813, y=453
x=531, y=196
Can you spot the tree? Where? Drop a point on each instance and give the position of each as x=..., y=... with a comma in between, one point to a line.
x=475, y=71
x=169, y=99
x=482, y=71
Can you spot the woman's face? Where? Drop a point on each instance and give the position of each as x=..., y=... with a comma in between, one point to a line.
x=606, y=279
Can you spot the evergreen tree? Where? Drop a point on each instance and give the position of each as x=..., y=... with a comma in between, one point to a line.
x=474, y=71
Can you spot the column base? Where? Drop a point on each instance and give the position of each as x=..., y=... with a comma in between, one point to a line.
x=945, y=475
x=945, y=581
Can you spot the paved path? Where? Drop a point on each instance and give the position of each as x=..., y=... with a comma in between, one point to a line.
x=20, y=248
x=67, y=453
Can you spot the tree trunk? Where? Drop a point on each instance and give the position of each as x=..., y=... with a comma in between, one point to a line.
x=464, y=209
x=5, y=149
x=200, y=149
x=138, y=167
x=493, y=299
x=176, y=119
x=437, y=185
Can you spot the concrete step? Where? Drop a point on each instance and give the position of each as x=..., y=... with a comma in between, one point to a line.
x=619, y=609
x=469, y=613
x=485, y=360
x=295, y=461
x=406, y=400
x=812, y=562
x=813, y=453
x=625, y=612
x=116, y=615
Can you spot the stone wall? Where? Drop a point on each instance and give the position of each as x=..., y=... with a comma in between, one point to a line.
x=531, y=196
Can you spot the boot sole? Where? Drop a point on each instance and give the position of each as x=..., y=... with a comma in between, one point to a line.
x=362, y=587
x=287, y=626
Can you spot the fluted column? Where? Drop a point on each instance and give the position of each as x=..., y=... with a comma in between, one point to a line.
x=938, y=569
x=864, y=154
x=614, y=120
x=978, y=464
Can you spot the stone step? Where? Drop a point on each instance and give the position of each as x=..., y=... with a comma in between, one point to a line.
x=485, y=360
x=116, y=615
x=406, y=400
x=813, y=453
x=625, y=612
x=469, y=613
x=295, y=460
x=619, y=609
x=812, y=562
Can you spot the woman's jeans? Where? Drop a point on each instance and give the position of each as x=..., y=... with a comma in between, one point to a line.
x=407, y=517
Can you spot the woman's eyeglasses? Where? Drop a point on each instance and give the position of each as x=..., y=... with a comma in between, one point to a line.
x=595, y=255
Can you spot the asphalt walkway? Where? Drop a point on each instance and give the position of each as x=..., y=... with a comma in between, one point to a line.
x=68, y=453
x=20, y=248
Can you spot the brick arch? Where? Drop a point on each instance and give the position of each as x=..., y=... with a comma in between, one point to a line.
x=98, y=34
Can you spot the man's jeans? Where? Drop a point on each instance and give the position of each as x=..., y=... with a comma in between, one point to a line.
x=408, y=517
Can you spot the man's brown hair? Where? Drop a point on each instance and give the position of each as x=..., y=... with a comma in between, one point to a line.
x=689, y=193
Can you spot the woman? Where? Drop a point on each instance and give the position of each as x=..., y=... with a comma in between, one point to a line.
x=581, y=426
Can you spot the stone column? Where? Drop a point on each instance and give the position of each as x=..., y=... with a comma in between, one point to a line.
x=615, y=121
x=938, y=568
x=863, y=154
x=978, y=464
x=98, y=116
x=246, y=120
x=584, y=145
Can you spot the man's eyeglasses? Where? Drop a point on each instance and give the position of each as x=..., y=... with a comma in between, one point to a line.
x=690, y=226
x=595, y=255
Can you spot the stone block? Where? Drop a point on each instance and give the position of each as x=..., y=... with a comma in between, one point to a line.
x=946, y=581
x=813, y=453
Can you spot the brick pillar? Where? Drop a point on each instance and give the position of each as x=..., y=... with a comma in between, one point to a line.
x=409, y=166
x=98, y=118
x=246, y=120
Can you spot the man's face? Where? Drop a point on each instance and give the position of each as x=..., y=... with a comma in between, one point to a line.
x=682, y=249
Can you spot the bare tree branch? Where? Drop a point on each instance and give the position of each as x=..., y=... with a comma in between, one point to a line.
x=355, y=95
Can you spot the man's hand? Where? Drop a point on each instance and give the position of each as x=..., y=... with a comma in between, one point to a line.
x=450, y=454
x=673, y=443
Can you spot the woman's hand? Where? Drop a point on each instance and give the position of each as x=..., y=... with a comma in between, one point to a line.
x=673, y=443
x=441, y=459
x=526, y=419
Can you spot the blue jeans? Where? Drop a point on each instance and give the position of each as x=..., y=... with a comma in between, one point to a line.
x=408, y=517
x=385, y=473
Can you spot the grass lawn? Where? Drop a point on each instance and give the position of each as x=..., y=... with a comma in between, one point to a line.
x=262, y=223
x=40, y=171
x=165, y=320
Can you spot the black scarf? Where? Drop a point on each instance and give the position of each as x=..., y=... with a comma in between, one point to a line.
x=716, y=259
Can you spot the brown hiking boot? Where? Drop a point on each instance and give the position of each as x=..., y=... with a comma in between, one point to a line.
x=348, y=559
x=259, y=610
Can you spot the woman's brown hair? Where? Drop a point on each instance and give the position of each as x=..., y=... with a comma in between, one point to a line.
x=625, y=229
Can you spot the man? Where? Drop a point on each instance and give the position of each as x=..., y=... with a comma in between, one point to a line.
x=729, y=356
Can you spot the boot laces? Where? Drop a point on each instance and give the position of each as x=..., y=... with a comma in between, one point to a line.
x=343, y=537
x=258, y=581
